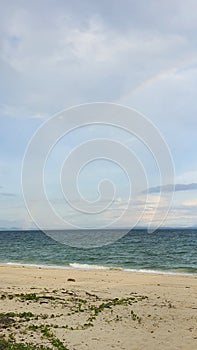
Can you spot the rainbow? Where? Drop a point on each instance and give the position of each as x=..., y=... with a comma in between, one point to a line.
x=164, y=74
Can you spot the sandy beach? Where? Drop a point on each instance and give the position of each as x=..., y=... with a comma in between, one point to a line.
x=95, y=309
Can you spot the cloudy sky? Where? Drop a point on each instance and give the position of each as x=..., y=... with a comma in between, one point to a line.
x=57, y=54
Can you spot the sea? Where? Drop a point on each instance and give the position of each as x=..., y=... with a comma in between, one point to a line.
x=165, y=251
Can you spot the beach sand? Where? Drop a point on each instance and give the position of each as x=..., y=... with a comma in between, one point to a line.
x=97, y=309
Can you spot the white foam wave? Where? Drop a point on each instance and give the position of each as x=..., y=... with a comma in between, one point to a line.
x=88, y=267
x=78, y=266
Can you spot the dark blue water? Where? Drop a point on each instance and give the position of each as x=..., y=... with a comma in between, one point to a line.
x=164, y=250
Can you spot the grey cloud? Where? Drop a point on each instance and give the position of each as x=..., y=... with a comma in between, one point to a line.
x=80, y=39
x=170, y=188
x=7, y=194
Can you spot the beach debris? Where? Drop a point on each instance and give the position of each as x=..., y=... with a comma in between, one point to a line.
x=5, y=321
x=46, y=327
x=92, y=295
x=71, y=280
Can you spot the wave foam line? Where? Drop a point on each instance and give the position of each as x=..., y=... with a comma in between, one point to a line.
x=77, y=266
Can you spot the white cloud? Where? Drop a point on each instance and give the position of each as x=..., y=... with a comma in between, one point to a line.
x=187, y=177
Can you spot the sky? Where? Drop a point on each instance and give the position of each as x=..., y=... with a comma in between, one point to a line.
x=58, y=54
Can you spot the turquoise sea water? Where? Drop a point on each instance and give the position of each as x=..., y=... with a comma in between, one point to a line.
x=165, y=250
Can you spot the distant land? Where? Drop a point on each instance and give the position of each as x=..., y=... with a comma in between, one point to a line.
x=86, y=229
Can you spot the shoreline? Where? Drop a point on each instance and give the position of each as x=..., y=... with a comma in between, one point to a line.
x=89, y=267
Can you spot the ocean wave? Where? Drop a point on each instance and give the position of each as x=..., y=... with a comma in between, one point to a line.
x=88, y=267
x=77, y=266
x=35, y=265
